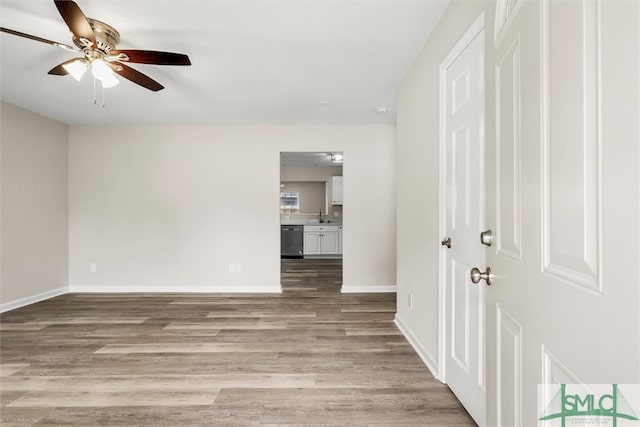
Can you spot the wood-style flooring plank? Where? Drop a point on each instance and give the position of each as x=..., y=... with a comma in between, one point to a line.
x=95, y=399
x=7, y=369
x=310, y=356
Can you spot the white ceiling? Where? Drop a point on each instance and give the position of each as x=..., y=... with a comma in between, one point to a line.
x=254, y=61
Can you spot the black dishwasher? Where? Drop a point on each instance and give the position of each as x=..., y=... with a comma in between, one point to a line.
x=291, y=237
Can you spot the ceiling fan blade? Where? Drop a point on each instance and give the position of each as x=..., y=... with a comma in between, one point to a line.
x=137, y=77
x=59, y=69
x=75, y=20
x=150, y=57
x=38, y=39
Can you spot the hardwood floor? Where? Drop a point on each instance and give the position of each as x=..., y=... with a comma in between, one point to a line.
x=308, y=357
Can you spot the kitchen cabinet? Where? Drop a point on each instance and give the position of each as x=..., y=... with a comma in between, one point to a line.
x=321, y=240
x=336, y=184
x=311, y=244
x=329, y=242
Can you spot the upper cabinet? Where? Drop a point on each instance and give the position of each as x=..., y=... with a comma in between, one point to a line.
x=337, y=190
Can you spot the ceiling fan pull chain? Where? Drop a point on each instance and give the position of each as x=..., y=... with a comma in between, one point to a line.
x=94, y=91
x=103, y=97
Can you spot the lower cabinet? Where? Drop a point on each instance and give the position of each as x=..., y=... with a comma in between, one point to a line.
x=321, y=240
x=311, y=243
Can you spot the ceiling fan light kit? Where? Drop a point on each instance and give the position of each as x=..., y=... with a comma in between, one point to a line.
x=77, y=68
x=97, y=42
x=102, y=72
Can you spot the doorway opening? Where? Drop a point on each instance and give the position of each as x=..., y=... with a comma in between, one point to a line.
x=311, y=221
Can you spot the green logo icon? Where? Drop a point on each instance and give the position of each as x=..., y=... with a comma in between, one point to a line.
x=583, y=406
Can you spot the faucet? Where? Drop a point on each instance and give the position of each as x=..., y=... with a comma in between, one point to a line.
x=320, y=215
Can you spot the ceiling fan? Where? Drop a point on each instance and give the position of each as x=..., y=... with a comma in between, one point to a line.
x=97, y=43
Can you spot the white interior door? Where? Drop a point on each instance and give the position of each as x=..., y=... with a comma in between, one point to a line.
x=563, y=199
x=463, y=138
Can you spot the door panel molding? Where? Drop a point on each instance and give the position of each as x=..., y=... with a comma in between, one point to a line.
x=461, y=147
x=509, y=369
x=482, y=324
x=461, y=90
x=508, y=149
x=460, y=321
x=506, y=11
x=571, y=219
x=556, y=372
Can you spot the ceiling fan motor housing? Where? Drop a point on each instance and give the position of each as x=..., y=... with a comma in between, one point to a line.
x=107, y=38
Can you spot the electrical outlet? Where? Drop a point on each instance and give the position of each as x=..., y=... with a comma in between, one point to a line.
x=336, y=214
x=93, y=267
x=238, y=267
x=410, y=300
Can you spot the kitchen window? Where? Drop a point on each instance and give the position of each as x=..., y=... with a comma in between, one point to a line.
x=289, y=202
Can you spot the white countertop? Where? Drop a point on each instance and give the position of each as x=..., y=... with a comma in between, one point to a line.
x=308, y=222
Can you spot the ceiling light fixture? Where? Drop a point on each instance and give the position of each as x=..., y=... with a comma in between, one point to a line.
x=100, y=70
x=77, y=68
x=97, y=55
x=104, y=73
x=109, y=82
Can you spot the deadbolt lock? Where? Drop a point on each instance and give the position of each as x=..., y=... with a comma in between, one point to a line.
x=486, y=237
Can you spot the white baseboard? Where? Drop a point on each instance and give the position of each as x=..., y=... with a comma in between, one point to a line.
x=12, y=305
x=430, y=362
x=175, y=289
x=368, y=289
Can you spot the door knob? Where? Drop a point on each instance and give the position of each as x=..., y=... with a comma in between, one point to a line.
x=477, y=275
x=446, y=242
x=486, y=237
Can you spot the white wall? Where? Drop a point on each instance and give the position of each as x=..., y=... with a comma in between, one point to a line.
x=417, y=179
x=169, y=208
x=33, y=230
